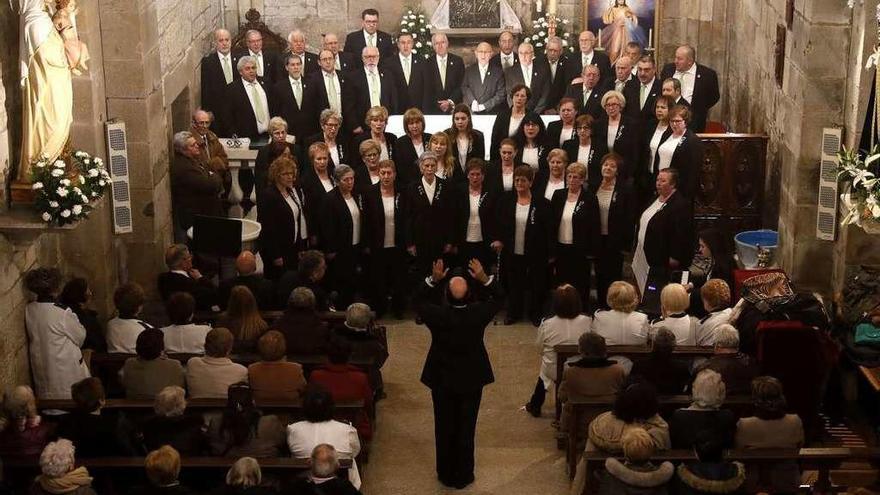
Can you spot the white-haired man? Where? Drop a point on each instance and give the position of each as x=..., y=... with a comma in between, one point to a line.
x=248, y=102
x=322, y=479
x=736, y=368
x=443, y=76
x=296, y=46
x=218, y=71
x=266, y=61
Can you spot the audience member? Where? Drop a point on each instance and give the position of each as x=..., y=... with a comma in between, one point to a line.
x=94, y=434
x=622, y=324
x=182, y=335
x=59, y=473
x=711, y=474
x=322, y=479
x=242, y=318
x=244, y=478
x=211, y=150
x=713, y=260
x=147, y=374
x=669, y=375
x=303, y=329
x=309, y=274
x=54, y=337
x=565, y=327
x=736, y=369
x=320, y=427
x=365, y=344
x=195, y=188
x=210, y=376
x=674, y=302
x=162, y=467
x=182, y=277
x=704, y=413
x=123, y=330
x=346, y=382
x=243, y=430
x=637, y=475
x=770, y=428
x=23, y=433
x=172, y=425
x=76, y=295
x=273, y=377
x=715, y=295
x=246, y=268
x=592, y=375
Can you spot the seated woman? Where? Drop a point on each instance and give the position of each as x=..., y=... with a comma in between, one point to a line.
x=593, y=375
x=151, y=371
x=242, y=430
x=770, y=428
x=76, y=295
x=242, y=318
x=22, y=431
x=346, y=382
x=669, y=375
x=163, y=470
x=244, y=478
x=636, y=407
x=714, y=259
x=273, y=377
x=715, y=296
x=123, y=330
x=94, y=434
x=622, y=324
x=565, y=327
x=58, y=474
x=320, y=427
x=182, y=335
x=704, y=413
x=711, y=474
x=171, y=425
x=674, y=302
x=210, y=376
x=637, y=475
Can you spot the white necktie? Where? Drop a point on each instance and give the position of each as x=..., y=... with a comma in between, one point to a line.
x=338, y=67
x=259, y=104
x=442, y=67
x=643, y=95
x=297, y=91
x=372, y=40
x=375, y=100
x=407, y=68
x=227, y=69
x=527, y=78
x=482, y=75
x=333, y=93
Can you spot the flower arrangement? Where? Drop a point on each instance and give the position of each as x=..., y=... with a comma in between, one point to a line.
x=65, y=194
x=415, y=23
x=541, y=31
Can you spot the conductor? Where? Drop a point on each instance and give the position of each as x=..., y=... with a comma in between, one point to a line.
x=457, y=367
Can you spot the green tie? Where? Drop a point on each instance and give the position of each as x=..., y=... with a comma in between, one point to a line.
x=333, y=93
x=375, y=100
x=443, y=74
x=259, y=104
x=297, y=91
x=372, y=40
x=227, y=70
x=643, y=92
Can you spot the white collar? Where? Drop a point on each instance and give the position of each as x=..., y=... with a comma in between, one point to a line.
x=292, y=80
x=181, y=272
x=483, y=68
x=246, y=83
x=692, y=71
x=588, y=55
x=367, y=34
x=650, y=83
x=404, y=57
x=368, y=71
x=509, y=55
x=442, y=58
x=318, y=481
x=526, y=68
x=222, y=56
x=252, y=54
x=329, y=74
x=429, y=186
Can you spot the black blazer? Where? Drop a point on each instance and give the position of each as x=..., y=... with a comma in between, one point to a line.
x=357, y=162
x=317, y=94
x=434, y=91
x=265, y=157
x=280, y=227
x=585, y=227
x=499, y=133
x=598, y=150
x=540, y=85
x=670, y=234
x=594, y=104
x=558, y=82
x=355, y=43
x=202, y=290
x=539, y=185
x=214, y=90
x=457, y=359
x=240, y=117
x=554, y=130
x=632, y=91
x=315, y=196
x=357, y=101
x=485, y=210
x=273, y=66
x=476, y=149
x=301, y=116
x=687, y=159
x=495, y=61
x=336, y=223
x=643, y=173
x=429, y=225
x=346, y=154
x=600, y=60
x=374, y=218
x=626, y=143
x=406, y=159
x=408, y=95
x=537, y=238
x=621, y=215
x=706, y=94
x=494, y=180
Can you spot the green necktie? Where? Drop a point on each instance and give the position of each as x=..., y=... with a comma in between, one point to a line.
x=375, y=100
x=227, y=69
x=643, y=92
x=259, y=104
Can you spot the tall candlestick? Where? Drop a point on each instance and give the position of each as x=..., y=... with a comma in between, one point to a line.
x=538, y=5
x=551, y=7
x=599, y=38
x=650, y=37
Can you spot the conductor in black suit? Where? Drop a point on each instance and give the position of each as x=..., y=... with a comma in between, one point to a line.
x=248, y=102
x=457, y=366
x=699, y=84
x=369, y=35
x=218, y=70
x=443, y=75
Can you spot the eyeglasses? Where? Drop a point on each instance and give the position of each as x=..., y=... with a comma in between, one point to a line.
x=612, y=104
x=677, y=121
x=328, y=124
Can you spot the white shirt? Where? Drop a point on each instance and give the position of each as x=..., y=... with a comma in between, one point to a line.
x=355, y=221
x=612, y=134
x=506, y=60
x=406, y=65
x=566, y=232
x=604, y=197
x=259, y=57
x=483, y=70
x=327, y=183
x=429, y=189
x=584, y=153
x=388, y=207
x=293, y=87
x=507, y=181
x=122, y=334
x=647, y=92
x=514, y=125
x=552, y=187
x=655, y=143
x=189, y=339
x=383, y=151
x=553, y=66
x=621, y=328
x=640, y=262
x=586, y=59
x=334, y=154
x=666, y=150
x=684, y=327
x=249, y=88
x=519, y=231
x=474, y=228
x=565, y=134
x=463, y=144
x=54, y=339
x=556, y=331
x=687, y=78
x=707, y=330
x=530, y=156
x=303, y=437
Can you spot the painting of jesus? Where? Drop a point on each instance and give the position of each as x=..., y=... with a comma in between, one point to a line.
x=618, y=22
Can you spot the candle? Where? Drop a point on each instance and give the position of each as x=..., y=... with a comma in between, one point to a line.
x=551, y=7
x=538, y=5
x=599, y=38
x=650, y=37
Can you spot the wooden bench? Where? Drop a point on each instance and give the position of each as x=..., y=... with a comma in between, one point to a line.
x=331, y=317
x=822, y=460
x=872, y=375
x=585, y=409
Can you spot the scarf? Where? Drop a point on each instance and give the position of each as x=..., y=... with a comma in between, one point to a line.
x=66, y=483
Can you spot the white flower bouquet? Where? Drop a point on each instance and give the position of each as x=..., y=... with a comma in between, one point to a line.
x=414, y=22
x=64, y=194
x=539, y=33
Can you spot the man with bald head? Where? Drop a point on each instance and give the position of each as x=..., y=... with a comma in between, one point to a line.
x=483, y=86
x=212, y=151
x=457, y=367
x=322, y=478
x=587, y=55
x=218, y=69
x=699, y=84
x=262, y=289
x=296, y=46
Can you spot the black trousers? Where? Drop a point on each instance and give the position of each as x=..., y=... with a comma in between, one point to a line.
x=609, y=269
x=573, y=267
x=344, y=271
x=388, y=270
x=538, y=396
x=455, y=422
x=524, y=275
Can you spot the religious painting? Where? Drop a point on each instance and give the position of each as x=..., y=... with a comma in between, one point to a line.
x=618, y=22
x=474, y=14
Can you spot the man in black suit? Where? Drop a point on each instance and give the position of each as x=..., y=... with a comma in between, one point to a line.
x=588, y=56
x=633, y=52
x=536, y=77
x=457, y=366
x=407, y=71
x=641, y=94
x=267, y=62
x=557, y=65
x=182, y=277
x=367, y=87
x=483, y=86
x=588, y=94
x=327, y=86
x=261, y=288
x=296, y=46
x=218, y=70
x=622, y=74
x=443, y=75
x=672, y=87
x=699, y=84
x=248, y=102
x=290, y=103
x=345, y=62
x=506, y=56
x=369, y=35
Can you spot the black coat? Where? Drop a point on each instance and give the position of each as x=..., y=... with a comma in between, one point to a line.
x=537, y=236
x=499, y=133
x=600, y=60
x=598, y=150
x=214, y=90
x=317, y=93
x=355, y=43
x=688, y=160
x=408, y=95
x=621, y=215
x=346, y=154
x=486, y=212
x=429, y=225
x=554, y=130
x=406, y=159
x=685, y=424
x=585, y=226
x=374, y=218
x=278, y=238
x=594, y=104
x=457, y=359
x=494, y=180
x=670, y=234
x=632, y=91
x=304, y=331
x=706, y=94
x=357, y=163
x=337, y=224
x=558, y=82
x=202, y=290
x=265, y=157
x=357, y=99
x=185, y=433
x=626, y=143
x=540, y=85
x=434, y=91
x=240, y=117
x=643, y=174
x=301, y=116
x=476, y=149
x=99, y=435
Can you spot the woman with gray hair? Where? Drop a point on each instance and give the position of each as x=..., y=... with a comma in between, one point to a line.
x=244, y=478
x=338, y=149
x=58, y=473
x=342, y=233
x=704, y=413
x=171, y=425
x=429, y=224
x=278, y=145
x=617, y=132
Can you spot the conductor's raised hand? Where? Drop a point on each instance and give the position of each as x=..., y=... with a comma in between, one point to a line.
x=438, y=272
x=476, y=270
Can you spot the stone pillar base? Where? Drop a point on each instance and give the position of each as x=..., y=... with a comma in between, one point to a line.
x=22, y=193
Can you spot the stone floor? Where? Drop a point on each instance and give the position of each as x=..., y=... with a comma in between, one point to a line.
x=515, y=453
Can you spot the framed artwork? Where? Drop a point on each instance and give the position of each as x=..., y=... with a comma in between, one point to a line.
x=617, y=22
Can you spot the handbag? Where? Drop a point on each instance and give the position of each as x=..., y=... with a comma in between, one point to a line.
x=867, y=334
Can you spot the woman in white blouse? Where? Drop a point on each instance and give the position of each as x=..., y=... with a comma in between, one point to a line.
x=655, y=132
x=674, y=302
x=681, y=150
x=553, y=179
x=499, y=175
x=622, y=324
x=583, y=149
x=410, y=146
x=342, y=231
x=530, y=137
x=183, y=336
x=560, y=131
x=508, y=120
x=565, y=327
x=618, y=132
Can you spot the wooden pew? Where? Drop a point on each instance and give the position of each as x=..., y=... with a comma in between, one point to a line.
x=822, y=460
x=332, y=318
x=585, y=409
x=872, y=375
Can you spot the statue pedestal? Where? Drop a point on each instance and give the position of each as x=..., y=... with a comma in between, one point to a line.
x=22, y=193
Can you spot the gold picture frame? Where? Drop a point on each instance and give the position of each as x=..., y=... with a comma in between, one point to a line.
x=612, y=23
